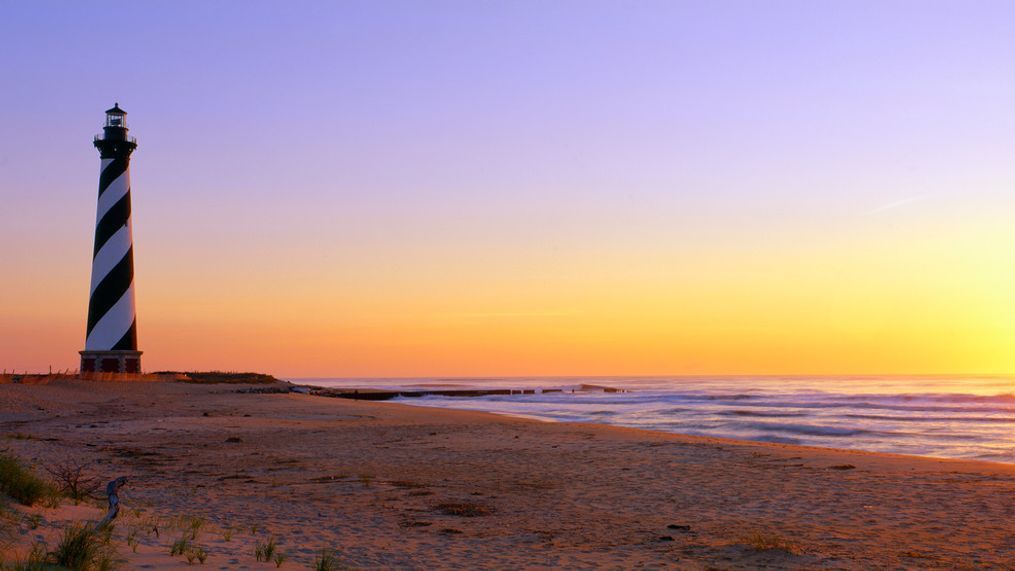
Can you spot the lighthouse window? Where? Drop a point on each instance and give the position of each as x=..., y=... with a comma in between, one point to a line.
x=116, y=121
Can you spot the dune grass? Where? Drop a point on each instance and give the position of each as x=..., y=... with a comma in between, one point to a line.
x=265, y=551
x=20, y=483
x=328, y=561
x=180, y=546
x=37, y=560
x=221, y=377
x=195, y=553
x=8, y=528
x=84, y=548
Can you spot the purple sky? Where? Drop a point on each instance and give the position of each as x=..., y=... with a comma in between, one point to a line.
x=293, y=138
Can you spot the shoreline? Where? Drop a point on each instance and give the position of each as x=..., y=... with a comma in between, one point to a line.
x=389, y=485
x=726, y=439
x=269, y=384
x=875, y=422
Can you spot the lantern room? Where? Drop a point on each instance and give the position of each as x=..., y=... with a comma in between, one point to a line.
x=116, y=117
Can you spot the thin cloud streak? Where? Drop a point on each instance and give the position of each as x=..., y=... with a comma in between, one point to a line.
x=900, y=203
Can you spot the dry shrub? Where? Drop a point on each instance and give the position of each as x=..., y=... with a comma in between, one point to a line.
x=73, y=480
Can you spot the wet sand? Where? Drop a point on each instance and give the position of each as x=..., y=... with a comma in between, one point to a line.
x=388, y=485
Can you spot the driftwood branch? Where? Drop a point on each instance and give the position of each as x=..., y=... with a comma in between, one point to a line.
x=113, y=491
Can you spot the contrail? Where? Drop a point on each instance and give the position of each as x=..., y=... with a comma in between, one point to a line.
x=900, y=203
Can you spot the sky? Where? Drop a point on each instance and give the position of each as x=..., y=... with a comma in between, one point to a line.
x=467, y=188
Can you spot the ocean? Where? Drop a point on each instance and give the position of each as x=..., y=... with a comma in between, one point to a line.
x=947, y=417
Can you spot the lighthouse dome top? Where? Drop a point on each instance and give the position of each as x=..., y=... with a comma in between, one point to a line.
x=116, y=117
x=114, y=141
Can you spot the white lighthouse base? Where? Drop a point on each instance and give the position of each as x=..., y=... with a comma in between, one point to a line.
x=110, y=361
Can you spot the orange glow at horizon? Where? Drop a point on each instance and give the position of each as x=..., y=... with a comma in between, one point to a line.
x=922, y=299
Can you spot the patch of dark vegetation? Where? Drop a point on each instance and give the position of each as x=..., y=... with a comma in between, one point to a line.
x=768, y=541
x=20, y=483
x=329, y=479
x=678, y=527
x=415, y=523
x=451, y=531
x=463, y=509
x=407, y=485
x=212, y=377
x=276, y=390
x=842, y=467
x=233, y=439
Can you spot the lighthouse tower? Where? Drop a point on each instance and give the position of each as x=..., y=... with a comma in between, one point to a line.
x=111, y=339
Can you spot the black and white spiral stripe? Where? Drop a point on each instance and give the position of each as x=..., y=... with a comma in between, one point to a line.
x=112, y=324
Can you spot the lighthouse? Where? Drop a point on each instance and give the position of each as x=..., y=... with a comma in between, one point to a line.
x=111, y=338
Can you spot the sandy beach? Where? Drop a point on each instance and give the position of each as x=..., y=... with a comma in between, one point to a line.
x=388, y=485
